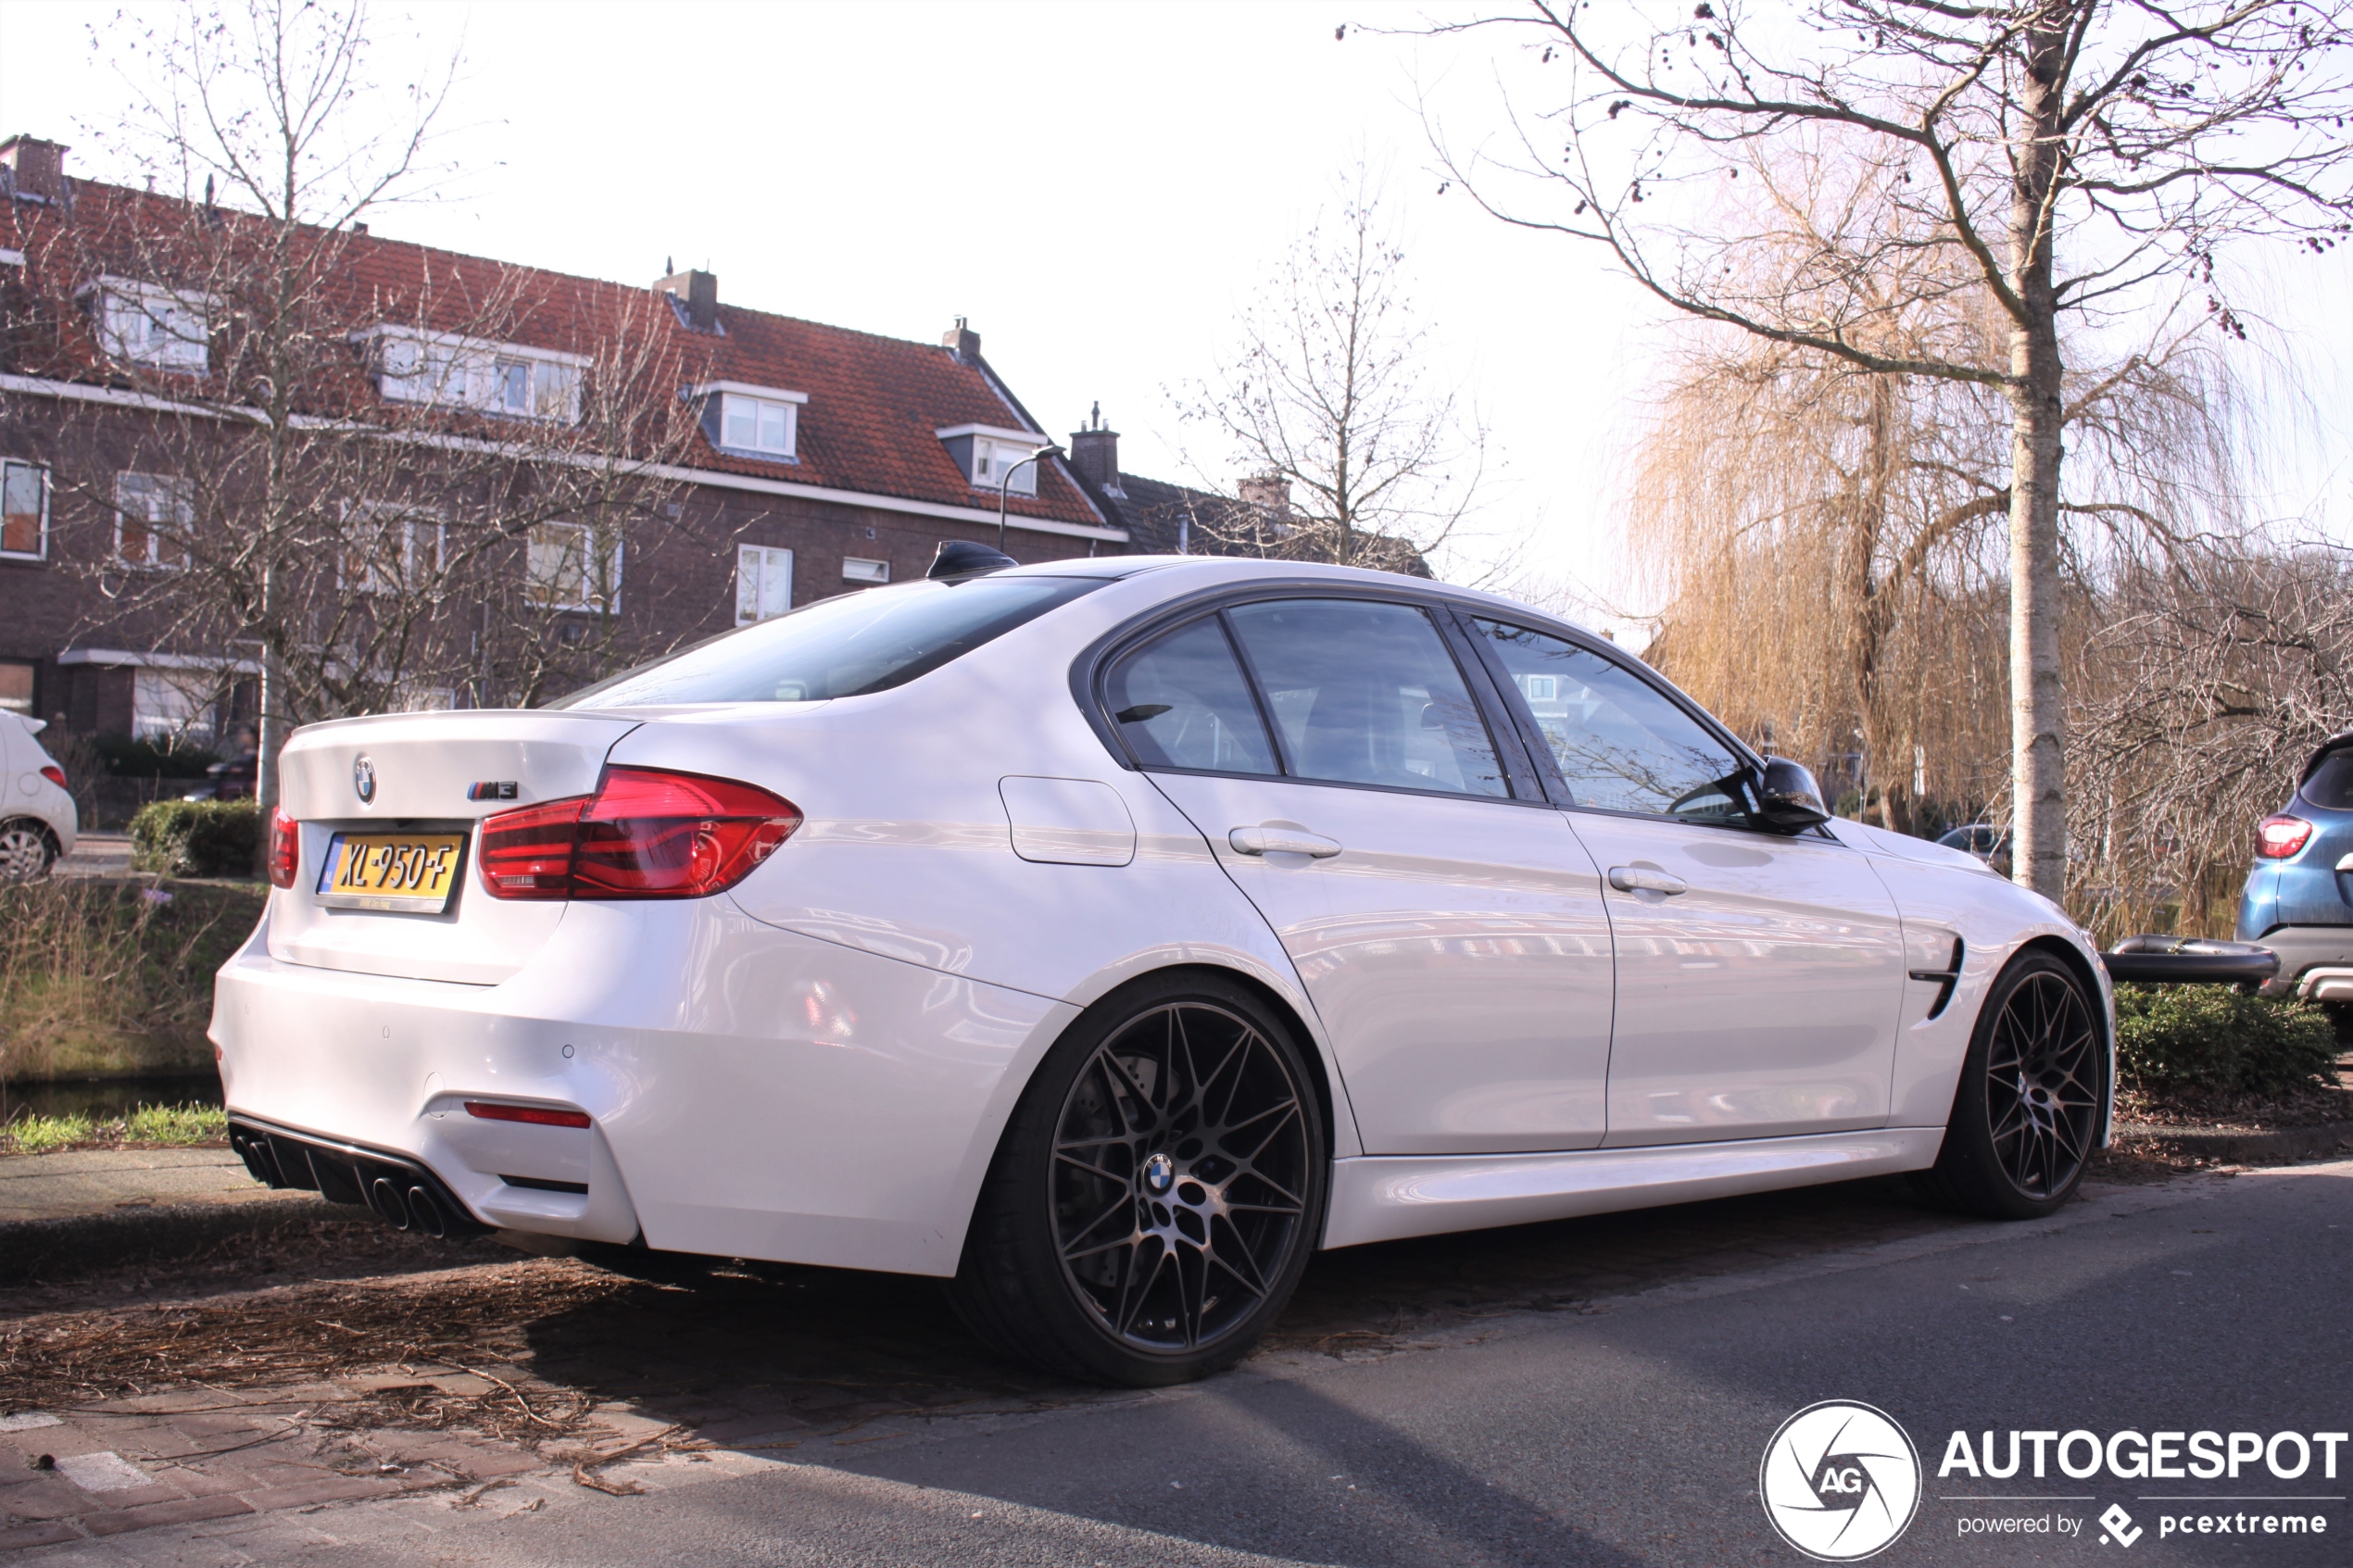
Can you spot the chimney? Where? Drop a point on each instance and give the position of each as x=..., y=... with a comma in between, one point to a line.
x=962, y=342
x=37, y=168
x=1094, y=452
x=700, y=292
x=1269, y=493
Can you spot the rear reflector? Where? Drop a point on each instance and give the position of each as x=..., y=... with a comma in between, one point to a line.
x=537, y=1115
x=286, y=848
x=645, y=834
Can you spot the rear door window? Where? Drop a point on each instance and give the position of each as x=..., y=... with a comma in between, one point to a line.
x=2331, y=785
x=1366, y=693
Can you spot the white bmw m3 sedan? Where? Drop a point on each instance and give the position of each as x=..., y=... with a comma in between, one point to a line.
x=1105, y=936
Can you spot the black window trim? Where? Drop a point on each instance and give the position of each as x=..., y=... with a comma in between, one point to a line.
x=1092, y=667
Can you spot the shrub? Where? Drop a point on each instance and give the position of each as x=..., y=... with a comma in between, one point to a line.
x=2219, y=1039
x=195, y=837
x=138, y=759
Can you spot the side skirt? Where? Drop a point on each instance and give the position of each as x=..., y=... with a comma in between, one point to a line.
x=1388, y=1197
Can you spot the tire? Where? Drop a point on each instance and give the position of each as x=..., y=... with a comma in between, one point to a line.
x=26, y=850
x=2032, y=1095
x=1156, y=1194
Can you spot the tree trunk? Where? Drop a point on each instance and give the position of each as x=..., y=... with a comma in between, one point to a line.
x=2038, y=772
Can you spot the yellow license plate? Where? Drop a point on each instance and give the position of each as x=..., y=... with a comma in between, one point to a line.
x=410, y=873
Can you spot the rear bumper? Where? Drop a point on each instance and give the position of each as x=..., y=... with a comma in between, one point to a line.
x=750, y=1092
x=2304, y=948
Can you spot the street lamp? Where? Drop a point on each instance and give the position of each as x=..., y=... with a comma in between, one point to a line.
x=1047, y=451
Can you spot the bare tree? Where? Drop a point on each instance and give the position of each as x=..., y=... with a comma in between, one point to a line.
x=324, y=451
x=1841, y=527
x=1326, y=402
x=2076, y=158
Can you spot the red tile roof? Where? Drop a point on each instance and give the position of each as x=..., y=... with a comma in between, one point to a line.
x=872, y=404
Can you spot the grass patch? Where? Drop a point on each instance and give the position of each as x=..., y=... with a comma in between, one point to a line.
x=111, y=978
x=167, y=1126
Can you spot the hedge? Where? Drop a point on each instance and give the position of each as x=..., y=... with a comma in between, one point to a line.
x=2219, y=1039
x=196, y=837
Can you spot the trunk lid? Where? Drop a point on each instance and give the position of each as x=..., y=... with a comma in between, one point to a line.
x=427, y=774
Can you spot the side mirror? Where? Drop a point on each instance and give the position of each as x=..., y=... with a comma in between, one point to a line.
x=1787, y=797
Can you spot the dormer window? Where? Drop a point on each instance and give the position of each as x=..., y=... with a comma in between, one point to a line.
x=512, y=380
x=987, y=454
x=143, y=324
x=752, y=421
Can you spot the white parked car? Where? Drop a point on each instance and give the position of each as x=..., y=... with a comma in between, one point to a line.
x=1106, y=935
x=38, y=820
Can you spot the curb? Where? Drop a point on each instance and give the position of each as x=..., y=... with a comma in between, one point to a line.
x=2280, y=1144
x=36, y=1250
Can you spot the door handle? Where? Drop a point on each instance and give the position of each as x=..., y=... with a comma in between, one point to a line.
x=1282, y=841
x=1642, y=879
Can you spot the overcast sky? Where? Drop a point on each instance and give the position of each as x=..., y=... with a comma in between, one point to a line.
x=1096, y=186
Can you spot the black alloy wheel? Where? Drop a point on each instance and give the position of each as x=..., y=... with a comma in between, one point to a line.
x=2034, y=1091
x=1157, y=1194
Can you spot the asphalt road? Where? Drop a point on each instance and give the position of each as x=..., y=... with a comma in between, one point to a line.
x=1627, y=1435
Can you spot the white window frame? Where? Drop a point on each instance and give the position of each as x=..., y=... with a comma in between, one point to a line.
x=444, y=369
x=862, y=568
x=184, y=516
x=542, y=590
x=40, y=550
x=995, y=448
x=374, y=520
x=760, y=571
x=186, y=347
x=764, y=399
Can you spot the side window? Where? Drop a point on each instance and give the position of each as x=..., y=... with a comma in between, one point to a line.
x=1619, y=744
x=1366, y=693
x=1181, y=701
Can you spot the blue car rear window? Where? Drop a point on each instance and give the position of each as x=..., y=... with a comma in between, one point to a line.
x=2331, y=785
x=843, y=647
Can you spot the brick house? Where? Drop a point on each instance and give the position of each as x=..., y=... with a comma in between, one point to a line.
x=800, y=461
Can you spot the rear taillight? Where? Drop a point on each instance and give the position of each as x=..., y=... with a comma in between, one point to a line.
x=645, y=834
x=55, y=775
x=527, y=853
x=2280, y=836
x=286, y=848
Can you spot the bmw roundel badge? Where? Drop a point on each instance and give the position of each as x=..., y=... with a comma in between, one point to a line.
x=363, y=780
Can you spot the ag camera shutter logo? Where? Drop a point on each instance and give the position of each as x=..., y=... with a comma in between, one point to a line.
x=1839, y=1481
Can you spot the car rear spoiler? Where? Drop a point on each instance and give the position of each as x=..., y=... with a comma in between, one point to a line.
x=2190, y=961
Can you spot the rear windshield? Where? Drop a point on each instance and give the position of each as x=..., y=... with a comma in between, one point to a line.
x=845, y=646
x=2331, y=785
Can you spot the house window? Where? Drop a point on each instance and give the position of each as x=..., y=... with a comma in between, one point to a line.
x=502, y=379
x=172, y=705
x=391, y=549
x=24, y=510
x=16, y=686
x=1540, y=688
x=153, y=515
x=756, y=424
x=564, y=570
x=763, y=583
x=994, y=459
x=856, y=571
x=150, y=326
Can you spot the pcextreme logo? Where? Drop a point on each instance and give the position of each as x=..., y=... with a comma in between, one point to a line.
x=1839, y=1481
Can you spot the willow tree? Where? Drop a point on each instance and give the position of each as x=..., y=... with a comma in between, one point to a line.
x=2076, y=158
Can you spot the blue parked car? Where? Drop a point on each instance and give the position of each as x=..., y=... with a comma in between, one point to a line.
x=2299, y=895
